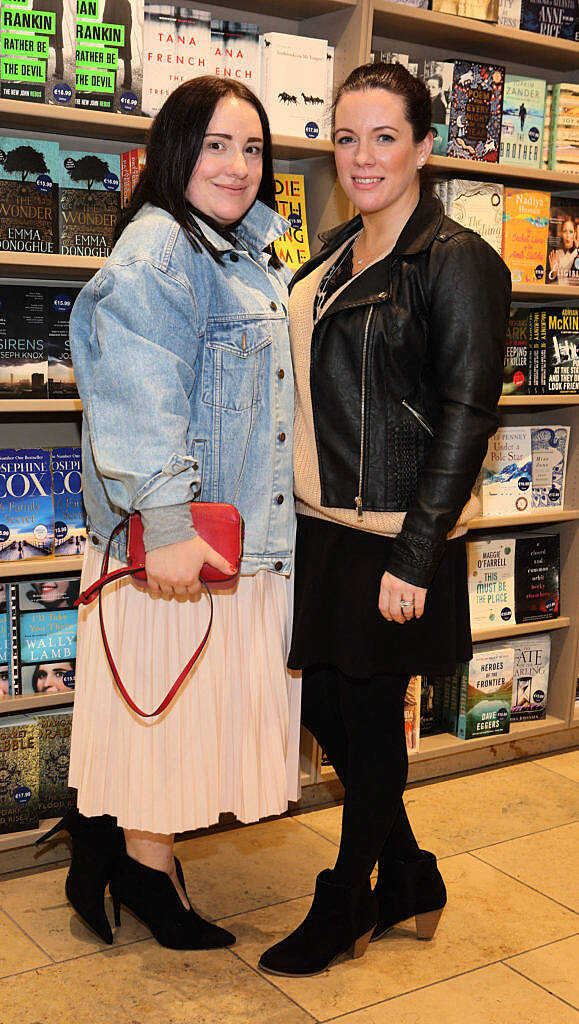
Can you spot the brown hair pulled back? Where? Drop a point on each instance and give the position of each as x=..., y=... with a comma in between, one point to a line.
x=394, y=78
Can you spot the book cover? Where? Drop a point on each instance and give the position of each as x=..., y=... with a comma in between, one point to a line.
x=564, y=139
x=480, y=10
x=412, y=714
x=438, y=76
x=532, y=655
x=558, y=328
x=478, y=205
x=47, y=625
x=235, y=52
x=23, y=345
x=523, y=121
x=486, y=693
x=428, y=723
x=38, y=52
x=549, y=18
x=90, y=202
x=294, y=84
x=4, y=646
x=109, y=55
x=507, y=472
x=474, y=129
x=491, y=581
x=54, y=730
x=18, y=774
x=290, y=202
x=58, y=307
x=177, y=45
x=326, y=123
x=28, y=195
x=516, y=365
x=510, y=13
x=26, y=516
x=563, y=241
x=549, y=446
x=547, y=127
x=525, y=234
x=537, y=573
x=69, y=511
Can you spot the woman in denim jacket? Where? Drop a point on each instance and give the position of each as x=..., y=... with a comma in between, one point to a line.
x=181, y=352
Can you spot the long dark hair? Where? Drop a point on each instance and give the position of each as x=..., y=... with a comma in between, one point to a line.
x=394, y=78
x=173, y=148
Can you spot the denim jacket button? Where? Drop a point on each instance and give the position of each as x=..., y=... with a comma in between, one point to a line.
x=234, y=257
x=279, y=499
x=94, y=539
x=195, y=465
x=281, y=437
x=281, y=374
x=278, y=566
x=273, y=305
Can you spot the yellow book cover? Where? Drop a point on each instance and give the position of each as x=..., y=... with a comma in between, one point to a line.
x=525, y=234
x=290, y=201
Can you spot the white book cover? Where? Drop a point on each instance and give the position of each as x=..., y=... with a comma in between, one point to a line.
x=549, y=447
x=235, y=52
x=510, y=13
x=478, y=205
x=530, y=676
x=326, y=121
x=491, y=581
x=295, y=84
x=507, y=472
x=176, y=48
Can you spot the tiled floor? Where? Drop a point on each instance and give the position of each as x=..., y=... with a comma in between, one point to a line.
x=506, y=950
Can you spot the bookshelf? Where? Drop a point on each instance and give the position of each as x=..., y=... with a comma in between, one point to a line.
x=351, y=25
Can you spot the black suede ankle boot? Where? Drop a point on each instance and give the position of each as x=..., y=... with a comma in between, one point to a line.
x=340, y=918
x=410, y=889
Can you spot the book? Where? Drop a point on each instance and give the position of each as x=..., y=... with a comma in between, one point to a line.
x=4, y=646
x=58, y=307
x=549, y=446
x=491, y=581
x=294, y=84
x=28, y=195
x=290, y=201
x=326, y=123
x=90, y=202
x=485, y=693
x=26, y=514
x=428, y=720
x=507, y=472
x=474, y=129
x=43, y=624
x=532, y=655
x=525, y=234
x=23, y=343
x=38, y=52
x=478, y=205
x=563, y=241
x=480, y=10
x=517, y=345
x=412, y=714
x=510, y=13
x=176, y=48
x=69, y=512
x=550, y=17
x=523, y=121
x=547, y=127
x=235, y=52
x=54, y=730
x=19, y=774
x=558, y=329
x=564, y=138
x=438, y=76
x=537, y=573
x=109, y=37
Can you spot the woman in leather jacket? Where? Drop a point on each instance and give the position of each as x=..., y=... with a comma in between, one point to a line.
x=397, y=329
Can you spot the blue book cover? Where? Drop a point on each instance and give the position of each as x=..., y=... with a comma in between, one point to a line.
x=550, y=19
x=47, y=627
x=90, y=202
x=474, y=129
x=58, y=307
x=69, y=513
x=26, y=513
x=523, y=121
x=28, y=195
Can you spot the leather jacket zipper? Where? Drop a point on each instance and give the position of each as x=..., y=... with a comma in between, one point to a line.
x=423, y=423
x=358, y=498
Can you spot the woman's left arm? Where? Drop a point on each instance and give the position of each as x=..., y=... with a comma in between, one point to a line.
x=469, y=313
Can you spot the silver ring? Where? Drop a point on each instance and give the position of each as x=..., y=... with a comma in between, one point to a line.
x=406, y=604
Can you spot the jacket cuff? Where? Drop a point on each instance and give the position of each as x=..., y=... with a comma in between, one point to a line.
x=168, y=524
x=414, y=558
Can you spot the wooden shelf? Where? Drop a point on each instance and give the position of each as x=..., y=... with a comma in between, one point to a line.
x=41, y=566
x=35, y=405
x=34, y=702
x=49, y=265
x=535, y=517
x=526, y=400
x=518, y=629
x=545, y=293
x=510, y=174
x=465, y=35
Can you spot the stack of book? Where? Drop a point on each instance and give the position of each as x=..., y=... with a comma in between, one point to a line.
x=524, y=469
x=542, y=351
x=513, y=579
x=34, y=758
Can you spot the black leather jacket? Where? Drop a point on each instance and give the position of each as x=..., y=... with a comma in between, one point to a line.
x=406, y=373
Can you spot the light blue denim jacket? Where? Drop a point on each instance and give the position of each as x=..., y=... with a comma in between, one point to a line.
x=183, y=366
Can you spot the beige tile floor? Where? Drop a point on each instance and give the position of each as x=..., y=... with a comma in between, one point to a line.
x=506, y=950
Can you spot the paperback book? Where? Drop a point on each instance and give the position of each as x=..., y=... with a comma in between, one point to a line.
x=486, y=687
x=26, y=514
x=58, y=307
x=295, y=84
x=478, y=205
x=109, y=55
x=518, y=340
x=563, y=241
x=290, y=202
x=525, y=234
x=537, y=573
x=69, y=512
x=90, y=202
x=507, y=472
x=23, y=342
x=235, y=52
x=474, y=130
x=4, y=646
x=491, y=581
x=549, y=446
x=38, y=51
x=28, y=195
x=19, y=774
x=558, y=330
x=176, y=48
x=532, y=655
x=550, y=17
x=54, y=730
x=564, y=138
x=480, y=10
x=523, y=121
x=510, y=13
x=412, y=714
x=43, y=624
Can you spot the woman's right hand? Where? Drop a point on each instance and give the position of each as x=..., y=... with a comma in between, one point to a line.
x=173, y=570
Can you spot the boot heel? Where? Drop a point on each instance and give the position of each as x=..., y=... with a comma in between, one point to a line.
x=361, y=945
x=426, y=924
x=59, y=827
x=117, y=911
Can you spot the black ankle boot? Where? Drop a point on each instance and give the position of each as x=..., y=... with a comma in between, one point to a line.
x=410, y=889
x=339, y=919
x=152, y=897
x=96, y=844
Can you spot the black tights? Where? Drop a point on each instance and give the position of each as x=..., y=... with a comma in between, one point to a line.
x=359, y=724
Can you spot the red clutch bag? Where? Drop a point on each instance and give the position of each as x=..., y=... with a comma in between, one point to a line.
x=221, y=526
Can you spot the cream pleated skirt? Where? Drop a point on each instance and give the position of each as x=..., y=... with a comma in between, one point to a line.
x=228, y=742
